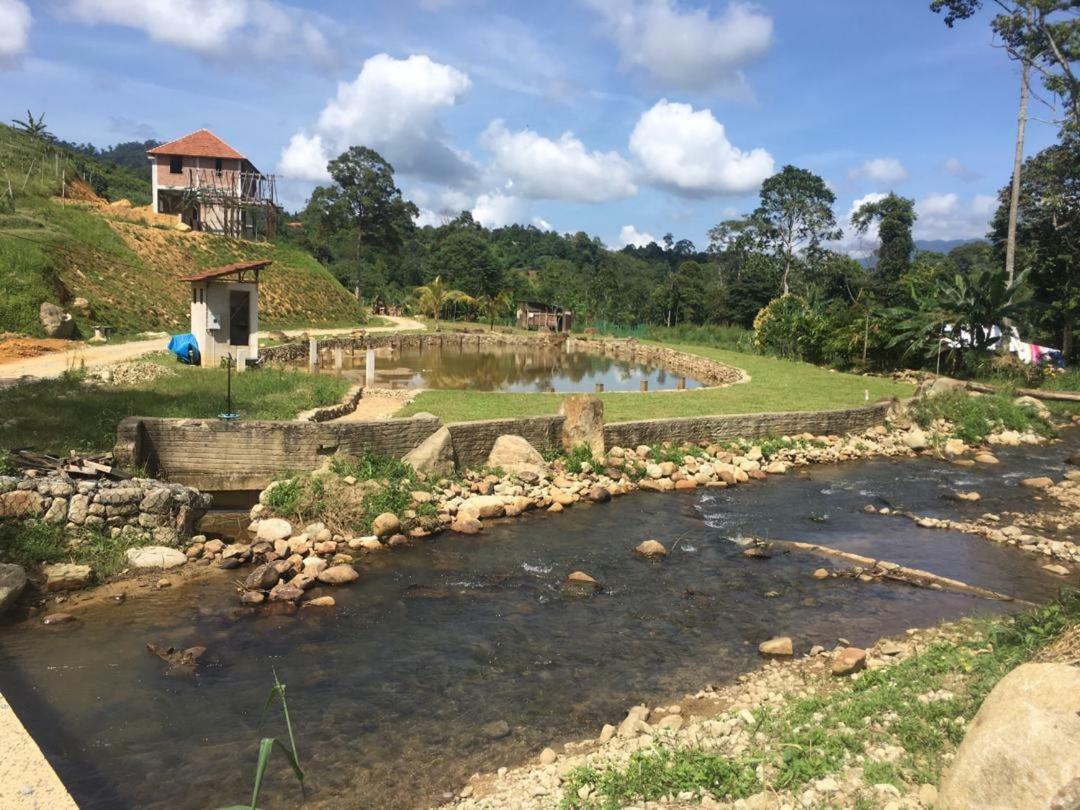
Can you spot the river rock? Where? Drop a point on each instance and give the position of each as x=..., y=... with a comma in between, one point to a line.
x=584, y=423
x=286, y=592
x=1023, y=746
x=651, y=548
x=313, y=566
x=66, y=577
x=1060, y=570
x=58, y=618
x=954, y=448
x=634, y=722
x=916, y=439
x=434, y=455
x=986, y=458
x=386, y=524
x=495, y=730
x=272, y=529
x=12, y=582
x=321, y=601
x=466, y=524
x=252, y=598
x=158, y=557
x=849, y=660
x=483, y=506
x=55, y=322
x=338, y=575
x=262, y=578
x=514, y=454
x=778, y=646
x=1033, y=404
x=582, y=581
x=548, y=756
x=599, y=494
x=1040, y=482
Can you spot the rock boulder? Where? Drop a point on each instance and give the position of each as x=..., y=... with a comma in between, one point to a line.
x=55, y=322
x=159, y=557
x=434, y=455
x=1023, y=747
x=651, y=548
x=584, y=423
x=12, y=582
x=66, y=576
x=515, y=454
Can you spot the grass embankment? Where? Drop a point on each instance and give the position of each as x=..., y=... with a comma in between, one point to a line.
x=32, y=543
x=69, y=414
x=976, y=417
x=775, y=385
x=811, y=738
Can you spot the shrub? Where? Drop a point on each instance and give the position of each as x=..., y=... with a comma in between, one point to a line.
x=974, y=418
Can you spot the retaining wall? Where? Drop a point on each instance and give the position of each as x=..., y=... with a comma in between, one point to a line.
x=473, y=440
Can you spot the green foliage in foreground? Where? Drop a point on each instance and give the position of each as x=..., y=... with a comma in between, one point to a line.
x=813, y=737
x=975, y=418
x=34, y=543
x=64, y=414
x=776, y=385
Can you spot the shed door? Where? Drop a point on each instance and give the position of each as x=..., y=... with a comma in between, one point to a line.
x=239, y=317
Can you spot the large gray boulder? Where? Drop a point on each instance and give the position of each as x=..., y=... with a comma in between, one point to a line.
x=434, y=455
x=584, y=423
x=1023, y=747
x=514, y=454
x=12, y=582
x=55, y=322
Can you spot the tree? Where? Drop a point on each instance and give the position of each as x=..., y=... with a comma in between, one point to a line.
x=34, y=127
x=465, y=259
x=365, y=199
x=432, y=298
x=1048, y=239
x=895, y=217
x=796, y=212
x=493, y=306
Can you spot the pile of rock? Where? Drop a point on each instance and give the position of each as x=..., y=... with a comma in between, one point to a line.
x=289, y=565
x=129, y=374
x=143, y=508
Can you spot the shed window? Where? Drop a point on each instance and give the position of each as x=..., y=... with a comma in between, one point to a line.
x=217, y=166
x=176, y=165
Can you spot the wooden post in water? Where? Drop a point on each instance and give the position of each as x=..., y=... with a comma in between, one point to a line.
x=599, y=388
x=681, y=384
x=369, y=369
x=313, y=353
x=644, y=385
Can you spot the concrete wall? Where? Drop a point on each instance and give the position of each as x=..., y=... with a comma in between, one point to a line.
x=216, y=455
x=750, y=426
x=212, y=454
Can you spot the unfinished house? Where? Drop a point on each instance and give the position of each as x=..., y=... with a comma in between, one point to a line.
x=212, y=187
x=544, y=317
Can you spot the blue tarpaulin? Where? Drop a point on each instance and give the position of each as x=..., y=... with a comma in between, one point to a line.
x=185, y=348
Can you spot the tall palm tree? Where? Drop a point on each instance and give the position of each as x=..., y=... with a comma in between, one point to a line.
x=433, y=297
x=493, y=306
x=33, y=126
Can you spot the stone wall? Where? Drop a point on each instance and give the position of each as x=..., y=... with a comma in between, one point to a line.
x=214, y=454
x=160, y=511
x=756, y=425
x=473, y=440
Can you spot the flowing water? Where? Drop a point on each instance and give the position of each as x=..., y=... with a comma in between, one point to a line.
x=390, y=691
x=513, y=368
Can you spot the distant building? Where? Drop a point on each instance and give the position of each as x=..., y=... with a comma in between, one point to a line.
x=544, y=317
x=212, y=187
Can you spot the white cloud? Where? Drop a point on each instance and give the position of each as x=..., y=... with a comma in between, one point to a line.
x=540, y=168
x=855, y=244
x=880, y=170
x=496, y=210
x=305, y=158
x=956, y=168
x=15, y=23
x=947, y=216
x=215, y=28
x=687, y=151
x=629, y=235
x=687, y=49
x=392, y=106
x=542, y=224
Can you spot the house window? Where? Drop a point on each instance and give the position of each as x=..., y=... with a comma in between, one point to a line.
x=176, y=165
x=217, y=166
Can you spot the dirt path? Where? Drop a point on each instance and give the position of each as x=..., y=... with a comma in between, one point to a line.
x=55, y=364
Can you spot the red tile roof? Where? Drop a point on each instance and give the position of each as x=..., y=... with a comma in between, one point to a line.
x=228, y=269
x=202, y=143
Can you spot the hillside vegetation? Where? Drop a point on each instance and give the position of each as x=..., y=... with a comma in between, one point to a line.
x=125, y=261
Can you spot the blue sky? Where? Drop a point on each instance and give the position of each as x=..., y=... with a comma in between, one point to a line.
x=623, y=118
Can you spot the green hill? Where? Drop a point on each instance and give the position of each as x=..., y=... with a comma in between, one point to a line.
x=123, y=260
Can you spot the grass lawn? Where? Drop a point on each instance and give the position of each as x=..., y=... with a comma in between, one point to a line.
x=775, y=385
x=55, y=416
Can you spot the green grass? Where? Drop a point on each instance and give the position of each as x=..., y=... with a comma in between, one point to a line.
x=776, y=385
x=32, y=543
x=976, y=417
x=64, y=414
x=813, y=737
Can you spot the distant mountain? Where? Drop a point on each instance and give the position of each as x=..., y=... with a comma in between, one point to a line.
x=942, y=245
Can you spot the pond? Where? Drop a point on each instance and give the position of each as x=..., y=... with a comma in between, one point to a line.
x=391, y=690
x=520, y=368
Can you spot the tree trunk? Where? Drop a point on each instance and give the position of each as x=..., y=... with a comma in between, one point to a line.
x=1067, y=341
x=787, y=268
x=1018, y=160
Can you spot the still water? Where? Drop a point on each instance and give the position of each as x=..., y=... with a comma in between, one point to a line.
x=514, y=368
x=390, y=690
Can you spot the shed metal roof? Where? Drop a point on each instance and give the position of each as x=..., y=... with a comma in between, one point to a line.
x=226, y=270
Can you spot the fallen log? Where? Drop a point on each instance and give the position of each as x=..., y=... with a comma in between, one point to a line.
x=901, y=573
x=1036, y=393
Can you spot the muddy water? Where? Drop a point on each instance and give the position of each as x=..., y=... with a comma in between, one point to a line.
x=520, y=369
x=391, y=689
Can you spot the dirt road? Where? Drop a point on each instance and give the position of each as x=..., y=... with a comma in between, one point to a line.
x=81, y=354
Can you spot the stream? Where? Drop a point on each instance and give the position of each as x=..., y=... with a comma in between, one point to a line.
x=391, y=690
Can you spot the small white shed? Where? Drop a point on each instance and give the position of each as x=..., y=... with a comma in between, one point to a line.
x=225, y=312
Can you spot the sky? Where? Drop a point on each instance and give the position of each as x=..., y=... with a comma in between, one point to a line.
x=627, y=119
